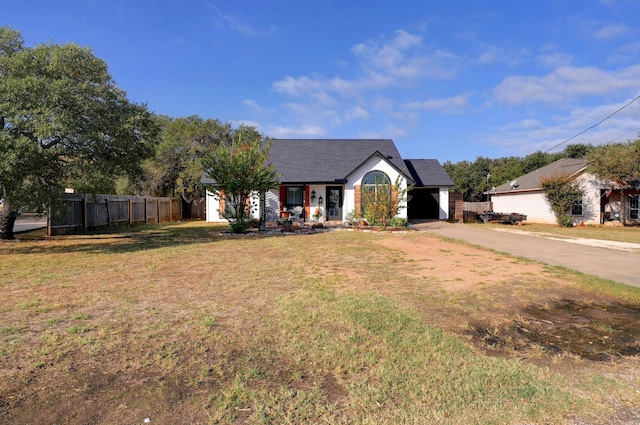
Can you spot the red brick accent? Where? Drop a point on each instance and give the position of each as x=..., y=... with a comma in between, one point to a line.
x=222, y=205
x=283, y=196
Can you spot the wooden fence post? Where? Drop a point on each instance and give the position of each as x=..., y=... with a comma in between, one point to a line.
x=85, y=221
x=106, y=202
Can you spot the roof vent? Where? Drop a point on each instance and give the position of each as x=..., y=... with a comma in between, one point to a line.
x=389, y=157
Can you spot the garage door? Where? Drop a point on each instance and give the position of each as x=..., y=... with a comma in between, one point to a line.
x=424, y=204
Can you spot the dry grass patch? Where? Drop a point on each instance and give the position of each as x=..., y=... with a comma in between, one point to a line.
x=183, y=323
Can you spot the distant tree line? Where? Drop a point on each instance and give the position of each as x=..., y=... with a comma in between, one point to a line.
x=474, y=179
x=618, y=163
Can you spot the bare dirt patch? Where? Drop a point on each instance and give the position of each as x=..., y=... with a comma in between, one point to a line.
x=532, y=308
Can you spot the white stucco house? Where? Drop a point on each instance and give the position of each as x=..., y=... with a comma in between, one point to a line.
x=602, y=201
x=327, y=175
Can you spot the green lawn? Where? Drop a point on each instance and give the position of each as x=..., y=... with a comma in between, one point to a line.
x=619, y=234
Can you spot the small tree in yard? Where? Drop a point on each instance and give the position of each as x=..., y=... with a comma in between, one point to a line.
x=240, y=169
x=382, y=202
x=562, y=193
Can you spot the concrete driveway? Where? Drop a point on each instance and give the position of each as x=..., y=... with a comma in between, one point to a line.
x=27, y=223
x=618, y=262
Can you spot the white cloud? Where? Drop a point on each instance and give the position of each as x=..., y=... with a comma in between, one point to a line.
x=566, y=83
x=455, y=104
x=625, y=53
x=297, y=86
x=545, y=131
x=612, y=31
x=493, y=54
x=551, y=58
x=356, y=113
x=252, y=104
x=389, y=132
x=226, y=20
x=399, y=61
x=304, y=131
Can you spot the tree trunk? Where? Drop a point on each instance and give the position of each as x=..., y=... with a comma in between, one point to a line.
x=7, y=220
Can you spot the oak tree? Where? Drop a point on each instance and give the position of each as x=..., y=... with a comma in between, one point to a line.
x=63, y=120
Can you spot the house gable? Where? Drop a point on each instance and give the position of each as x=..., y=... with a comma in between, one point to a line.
x=571, y=167
x=328, y=160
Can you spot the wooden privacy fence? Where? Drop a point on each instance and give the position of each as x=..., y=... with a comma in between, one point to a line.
x=84, y=212
x=471, y=209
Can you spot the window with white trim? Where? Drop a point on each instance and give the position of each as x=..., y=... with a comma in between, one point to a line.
x=633, y=207
x=576, y=209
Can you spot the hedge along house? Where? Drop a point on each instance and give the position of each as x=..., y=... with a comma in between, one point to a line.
x=602, y=201
x=326, y=176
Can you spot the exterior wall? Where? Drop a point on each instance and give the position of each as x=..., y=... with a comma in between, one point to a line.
x=355, y=180
x=213, y=208
x=535, y=206
x=315, y=203
x=590, y=200
x=444, y=203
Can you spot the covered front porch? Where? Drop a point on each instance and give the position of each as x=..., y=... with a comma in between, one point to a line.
x=305, y=202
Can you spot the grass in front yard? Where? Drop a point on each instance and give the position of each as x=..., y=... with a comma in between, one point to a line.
x=181, y=323
x=607, y=233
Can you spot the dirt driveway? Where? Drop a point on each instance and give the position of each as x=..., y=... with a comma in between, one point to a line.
x=602, y=260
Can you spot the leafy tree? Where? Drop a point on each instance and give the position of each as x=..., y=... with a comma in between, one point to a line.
x=62, y=120
x=382, y=201
x=537, y=160
x=577, y=151
x=475, y=178
x=239, y=169
x=562, y=193
x=176, y=168
x=618, y=163
x=470, y=178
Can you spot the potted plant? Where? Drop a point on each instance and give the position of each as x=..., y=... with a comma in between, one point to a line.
x=317, y=215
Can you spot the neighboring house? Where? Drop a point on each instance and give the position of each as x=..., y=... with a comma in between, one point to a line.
x=601, y=202
x=327, y=175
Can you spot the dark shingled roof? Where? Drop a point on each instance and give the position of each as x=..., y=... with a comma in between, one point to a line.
x=428, y=173
x=328, y=160
x=531, y=181
x=333, y=160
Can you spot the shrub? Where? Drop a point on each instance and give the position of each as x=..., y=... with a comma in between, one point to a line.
x=562, y=193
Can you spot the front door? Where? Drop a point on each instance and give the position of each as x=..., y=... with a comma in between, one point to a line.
x=334, y=203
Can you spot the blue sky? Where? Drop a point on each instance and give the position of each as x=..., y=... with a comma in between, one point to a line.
x=451, y=80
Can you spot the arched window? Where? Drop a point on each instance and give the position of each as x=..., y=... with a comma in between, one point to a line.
x=372, y=183
x=373, y=178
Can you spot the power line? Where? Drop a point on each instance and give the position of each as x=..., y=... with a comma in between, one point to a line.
x=592, y=127
x=619, y=137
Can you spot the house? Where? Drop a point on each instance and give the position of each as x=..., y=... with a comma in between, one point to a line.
x=327, y=176
x=601, y=202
